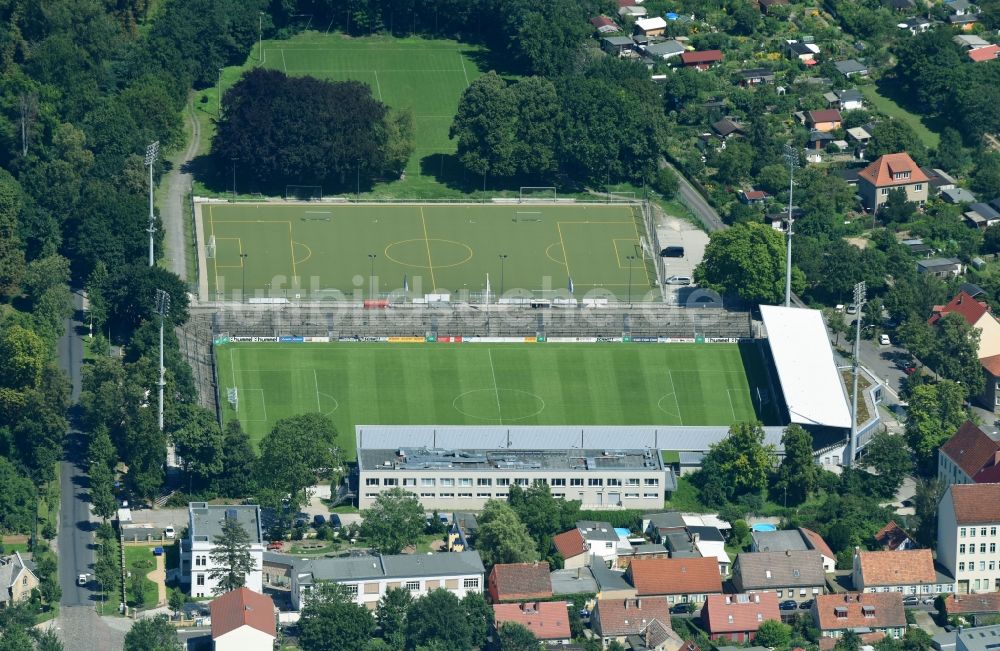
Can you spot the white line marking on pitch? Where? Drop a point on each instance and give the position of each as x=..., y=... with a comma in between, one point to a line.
x=283, y=65
x=496, y=388
x=676, y=404
x=378, y=86
x=460, y=58
x=319, y=409
x=731, y=408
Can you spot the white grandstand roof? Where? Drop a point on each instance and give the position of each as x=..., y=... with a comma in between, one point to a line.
x=808, y=373
x=541, y=437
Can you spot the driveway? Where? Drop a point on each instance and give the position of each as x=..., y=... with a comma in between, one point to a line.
x=178, y=183
x=697, y=203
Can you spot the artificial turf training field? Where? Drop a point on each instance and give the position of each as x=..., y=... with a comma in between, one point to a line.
x=310, y=247
x=483, y=384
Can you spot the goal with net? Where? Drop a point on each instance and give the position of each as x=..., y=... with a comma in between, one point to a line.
x=303, y=192
x=210, y=247
x=232, y=394
x=527, y=216
x=539, y=193
x=621, y=197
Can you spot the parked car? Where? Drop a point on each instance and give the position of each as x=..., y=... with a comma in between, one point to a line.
x=678, y=280
x=275, y=545
x=806, y=605
x=319, y=520
x=789, y=604
x=883, y=340
x=672, y=252
x=335, y=521
x=169, y=531
x=81, y=580
x=681, y=608
x=911, y=600
x=852, y=308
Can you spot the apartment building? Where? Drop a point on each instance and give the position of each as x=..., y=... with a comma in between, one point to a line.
x=968, y=527
x=205, y=523
x=970, y=456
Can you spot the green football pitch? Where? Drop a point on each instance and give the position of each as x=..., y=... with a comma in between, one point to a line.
x=425, y=76
x=483, y=384
x=309, y=249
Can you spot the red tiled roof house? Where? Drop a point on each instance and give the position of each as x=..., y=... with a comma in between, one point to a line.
x=889, y=172
x=702, y=60
x=969, y=457
x=678, y=579
x=882, y=612
x=573, y=548
x=736, y=617
x=892, y=537
x=826, y=120
x=968, y=524
x=977, y=314
x=548, y=620
x=648, y=618
x=243, y=620
x=519, y=582
x=909, y=571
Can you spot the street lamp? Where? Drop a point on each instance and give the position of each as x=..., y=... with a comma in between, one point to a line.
x=152, y=151
x=859, y=301
x=371, y=277
x=260, y=34
x=162, y=308
x=792, y=158
x=220, y=91
x=630, y=259
x=503, y=256
x=243, y=272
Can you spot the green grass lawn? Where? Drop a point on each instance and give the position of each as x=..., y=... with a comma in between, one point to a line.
x=884, y=104
x=470, y=384
x=140, y=561
x=424, y=75
x=310, y=249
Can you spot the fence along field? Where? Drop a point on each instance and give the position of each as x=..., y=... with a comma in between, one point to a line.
x=486, y=384
x=307, y=250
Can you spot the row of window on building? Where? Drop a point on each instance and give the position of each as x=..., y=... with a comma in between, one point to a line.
x=412, y=586
x=506, y=481
x=972, y=531
x=503, y=496
x=982, y=548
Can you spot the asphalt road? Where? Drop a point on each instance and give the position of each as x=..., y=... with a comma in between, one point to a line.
x=78, y=623
x=178, y=183
x=697, y=203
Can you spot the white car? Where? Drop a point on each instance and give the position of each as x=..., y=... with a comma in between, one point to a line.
x=883, y=340
x=169, y=532
x=81, y=580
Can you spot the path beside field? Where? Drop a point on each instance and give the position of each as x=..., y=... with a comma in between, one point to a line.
x=178, y=184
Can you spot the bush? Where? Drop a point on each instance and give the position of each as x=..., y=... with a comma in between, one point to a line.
x=666, y=182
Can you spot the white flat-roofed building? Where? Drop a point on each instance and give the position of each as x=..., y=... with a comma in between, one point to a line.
x=204, y=525
x=807, y=371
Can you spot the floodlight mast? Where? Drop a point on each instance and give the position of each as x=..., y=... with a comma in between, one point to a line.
x=852, y=445
x=792, y=158
x=152, y=151
x=162, y=308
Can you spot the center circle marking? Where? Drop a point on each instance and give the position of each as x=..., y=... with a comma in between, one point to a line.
x=485, y=400
x=416, y=249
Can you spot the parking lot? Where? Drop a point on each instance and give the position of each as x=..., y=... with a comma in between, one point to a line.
x=673, y=231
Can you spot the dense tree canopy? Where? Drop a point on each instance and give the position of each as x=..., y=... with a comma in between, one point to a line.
x=280, y=129
x=394, y=521
x=747, y=260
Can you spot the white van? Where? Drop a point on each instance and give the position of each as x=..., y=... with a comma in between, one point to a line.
x=678, y=280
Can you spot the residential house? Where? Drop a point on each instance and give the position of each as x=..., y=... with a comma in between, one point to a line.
x=243, y=620
x=710, y=543
x=651, y=26
x=961, y=195
x=970, y=456
x=611, y=583
x=981, y=638
x=678, y=579
x=547, y=620
x=664, y=50
x=573, y=548
x=804, y=52
x=754, y=77
x=777, y=219
x=990, y=397
x=973, y=606
x=17, y=580
x=981, y=54
x=910, y=571
x=825, y=120
x=797, y=575
x=962, y=14
x=882, y=612
x=630, y=9
x=657, y=525
x=736, y=617
x=650, y=550
x=602, y=540
x=574, y=581
x=767, y=5
x=939, y=179
x=915, y=25
x=461, y=531
x=970, y=41
x=892, y=172
x=851, y=67
x=818, y=140
x=519, y=582
x=617, y=45
x=796, y=540
x=899, y=5
x=918, y=247
x=604, y=25
x=983, y=214
x=845, y=100
x=645, y=621
x=728, y=127
x=977, y=314
x=702, y=60
x=366, y=579
x=205, y=522
x=892, y=537
x=753, y=197
x=968, y=521
x=941, y=267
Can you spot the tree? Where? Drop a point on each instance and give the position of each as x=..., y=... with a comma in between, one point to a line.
x=11, y=249
x=438, y=617
x=136, y=590
x=835, y=322
x=897, y=209
x=391, y=616
x=199, y=444
x=515, y=637
x=485, y=127
x=747, y=260
x=331, y=622
x=394, y=521
x=237, y=456
x=666, y=183
x=152, y=634
x=479, y=614
x=773, y=633
x=925, y=504
x=955, y=355
x=888, y=456
x=17, y=499
x=951, y=154
x=543, y=514
x=798, y=474
x=130, y=292
x=892, y=136
x=301, y=129
x=739, y=464
x=502, y=537
x=986, y=178
x=734, y=162
x=850, y=641
x=935, y=412
x=295, y=453
x=231, y=558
